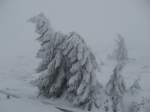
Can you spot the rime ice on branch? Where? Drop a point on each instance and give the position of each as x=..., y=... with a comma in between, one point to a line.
x=67, y=65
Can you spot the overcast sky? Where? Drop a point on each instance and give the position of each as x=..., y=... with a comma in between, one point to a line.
x=98, y=21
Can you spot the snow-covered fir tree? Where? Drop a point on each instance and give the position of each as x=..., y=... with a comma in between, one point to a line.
x=116, y=88
x=43, y=28
x=120, y=53
x=67, y=66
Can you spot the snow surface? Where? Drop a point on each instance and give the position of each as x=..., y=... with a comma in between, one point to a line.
x=17, y=94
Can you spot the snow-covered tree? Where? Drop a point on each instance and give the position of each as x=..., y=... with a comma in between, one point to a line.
x=68, y=66
x=135, y=87
x=43, y=28
x=116, y=88
x=120, y=53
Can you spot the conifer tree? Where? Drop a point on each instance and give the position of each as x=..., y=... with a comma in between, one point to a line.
x=67, y=66
x=116, y=88
x=120, y=53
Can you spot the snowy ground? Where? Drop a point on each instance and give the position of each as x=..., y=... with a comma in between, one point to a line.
x=17, y=94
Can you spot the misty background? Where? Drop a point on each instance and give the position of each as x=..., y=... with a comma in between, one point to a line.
x=97, y=21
